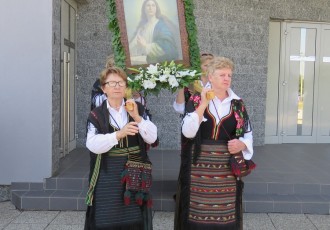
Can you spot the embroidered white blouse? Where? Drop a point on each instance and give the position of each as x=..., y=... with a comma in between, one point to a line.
x=101, y=143
x=190, y=123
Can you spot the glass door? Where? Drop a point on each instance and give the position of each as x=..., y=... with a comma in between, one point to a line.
x=300, y=76
x=323, y=88
x=68, y=68
x=298, y=83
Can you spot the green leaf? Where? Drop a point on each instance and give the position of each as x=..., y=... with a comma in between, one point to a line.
x=134, y=69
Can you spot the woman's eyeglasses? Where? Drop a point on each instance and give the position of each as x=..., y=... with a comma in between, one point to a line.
x=206, y=54
x=114, y=83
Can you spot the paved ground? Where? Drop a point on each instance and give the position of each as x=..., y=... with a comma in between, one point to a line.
x=13, y=219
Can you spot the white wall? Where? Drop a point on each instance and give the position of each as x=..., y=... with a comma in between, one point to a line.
x=25, y=90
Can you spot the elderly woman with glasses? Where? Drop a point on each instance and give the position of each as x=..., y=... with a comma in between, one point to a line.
x=116, y=129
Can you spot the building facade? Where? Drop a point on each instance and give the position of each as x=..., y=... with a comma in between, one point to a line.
x=53, y=50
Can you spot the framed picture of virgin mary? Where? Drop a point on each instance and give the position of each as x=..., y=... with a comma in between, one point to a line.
x=153, y=31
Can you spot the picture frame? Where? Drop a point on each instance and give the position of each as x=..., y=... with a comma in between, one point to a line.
x=153, y=31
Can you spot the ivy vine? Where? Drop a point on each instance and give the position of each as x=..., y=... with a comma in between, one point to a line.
x=118, y=48
x=191, y=28
x=194, y=55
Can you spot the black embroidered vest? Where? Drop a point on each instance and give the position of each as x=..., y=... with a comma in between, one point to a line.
x=223, y=131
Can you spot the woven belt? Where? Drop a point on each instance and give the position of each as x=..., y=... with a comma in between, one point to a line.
x=215, y=148
x=123, y=151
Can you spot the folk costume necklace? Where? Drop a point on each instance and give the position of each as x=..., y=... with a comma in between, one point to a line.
x=121, y=144
x=216, y=110
x=114, y=121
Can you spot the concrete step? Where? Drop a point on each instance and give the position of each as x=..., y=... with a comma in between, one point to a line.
x=49, y=200
x=34, y=196
x=295, y=204
x=66, y=183
x=264, y=188
x=258, y=197
x=277, y=197
x=277, y=185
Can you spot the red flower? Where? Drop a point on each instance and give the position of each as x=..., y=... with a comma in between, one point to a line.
x=240, y=121
x=196, y=100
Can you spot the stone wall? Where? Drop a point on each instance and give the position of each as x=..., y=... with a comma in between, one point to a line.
x=93, y=47
x=4, y=193
x=237, y=29
x=56, y=100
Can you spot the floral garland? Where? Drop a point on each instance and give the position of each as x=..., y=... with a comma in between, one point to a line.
x=170, y=76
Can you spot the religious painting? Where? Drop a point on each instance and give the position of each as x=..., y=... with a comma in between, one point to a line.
x=153, y=31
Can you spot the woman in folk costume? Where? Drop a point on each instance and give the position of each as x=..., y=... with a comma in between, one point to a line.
x=115, y=132
x=209, y=195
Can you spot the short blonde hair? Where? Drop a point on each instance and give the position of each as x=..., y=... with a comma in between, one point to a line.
x=220, y=63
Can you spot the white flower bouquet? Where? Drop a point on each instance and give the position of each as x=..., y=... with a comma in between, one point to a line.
x=153, y=78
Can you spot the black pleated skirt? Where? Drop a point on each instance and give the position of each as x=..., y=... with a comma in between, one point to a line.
x=109, y=211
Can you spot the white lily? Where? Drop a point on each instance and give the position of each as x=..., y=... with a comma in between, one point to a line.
x=138, y=77
x=152, y=69
x=172, y=81
x=148, y=84
x=192, y=73
x=163, y=78
x=183, y=73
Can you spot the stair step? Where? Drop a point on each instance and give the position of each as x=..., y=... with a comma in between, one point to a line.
x=258, y=197
x=49, y=200
x=255, y=203
x=280, y=182
x=297, y=204
x=264, y=188
x=26, y=186
x=66, y=183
